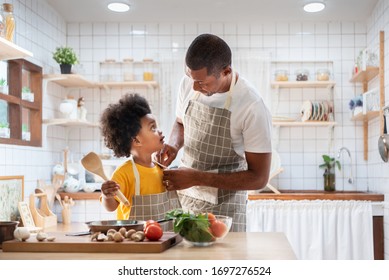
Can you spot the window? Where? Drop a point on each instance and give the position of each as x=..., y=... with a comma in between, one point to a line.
x=20, y=103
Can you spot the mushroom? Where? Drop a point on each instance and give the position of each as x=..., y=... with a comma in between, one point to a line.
x=40, y=236
x=22, y=233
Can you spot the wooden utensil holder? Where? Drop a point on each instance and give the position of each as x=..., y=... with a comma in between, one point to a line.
x=43, y=217
x=66, y=215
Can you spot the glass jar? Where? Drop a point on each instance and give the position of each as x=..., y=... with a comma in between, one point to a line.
x=2, y=23
x=128, y=69
x=148, y=72
x=322, y=75
x=9, y=20
x=108, y=71
x=302, y=75
x=281, y=75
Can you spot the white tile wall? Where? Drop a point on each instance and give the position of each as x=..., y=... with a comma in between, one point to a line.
x=40, y=29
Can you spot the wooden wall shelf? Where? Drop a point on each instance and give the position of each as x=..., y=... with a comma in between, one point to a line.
x=11, y=51
x=304, y=84
x=366, y=117
x=133, y=84
x=81, y=195
x=365, y=76
x=69, y=123
x=304, y=124
x=70, y=80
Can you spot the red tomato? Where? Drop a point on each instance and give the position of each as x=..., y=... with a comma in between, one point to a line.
x=153, y=232
x=211, y=218
x=150, y=222
x=218, y=228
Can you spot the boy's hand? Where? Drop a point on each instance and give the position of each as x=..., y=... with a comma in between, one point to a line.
x=109, y=189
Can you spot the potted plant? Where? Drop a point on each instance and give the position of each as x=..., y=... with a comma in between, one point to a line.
x=4, y=130
x=3, y=86
x=329, y=175
x=26, y=134
x=65, y=57
x=27, y=94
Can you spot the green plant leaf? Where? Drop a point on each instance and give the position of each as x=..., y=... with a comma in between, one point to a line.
x=65, y=55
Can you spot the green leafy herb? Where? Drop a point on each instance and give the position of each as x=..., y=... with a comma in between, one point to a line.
x=193, y=227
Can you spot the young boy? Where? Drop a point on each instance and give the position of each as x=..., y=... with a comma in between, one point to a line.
x=130, y=130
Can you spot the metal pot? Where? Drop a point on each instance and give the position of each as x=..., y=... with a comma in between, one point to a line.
x=383, y=142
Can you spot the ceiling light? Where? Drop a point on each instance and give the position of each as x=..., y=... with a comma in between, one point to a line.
x=118, y=7
x=314, y=7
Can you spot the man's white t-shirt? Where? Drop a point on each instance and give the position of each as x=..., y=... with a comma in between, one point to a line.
x=251, y=121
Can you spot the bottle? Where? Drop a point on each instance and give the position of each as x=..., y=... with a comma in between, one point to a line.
x=9, y=20
x=2, y=23
x=128, y=69
x=148, y=74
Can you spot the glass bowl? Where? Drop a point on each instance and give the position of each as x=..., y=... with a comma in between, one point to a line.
x=217, y=228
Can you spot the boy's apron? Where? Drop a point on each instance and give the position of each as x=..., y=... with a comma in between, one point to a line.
x=152, y=206
x=208, y=147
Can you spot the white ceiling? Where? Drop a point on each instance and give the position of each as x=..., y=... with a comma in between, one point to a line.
x=212, y=10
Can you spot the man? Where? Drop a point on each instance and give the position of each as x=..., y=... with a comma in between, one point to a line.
x=225, y=129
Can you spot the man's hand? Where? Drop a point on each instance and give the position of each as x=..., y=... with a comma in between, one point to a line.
x=166, y=155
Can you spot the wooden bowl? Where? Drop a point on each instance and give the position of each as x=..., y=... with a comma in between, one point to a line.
x=7, y=231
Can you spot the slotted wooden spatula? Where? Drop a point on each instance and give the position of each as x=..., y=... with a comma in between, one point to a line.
x=93, y=164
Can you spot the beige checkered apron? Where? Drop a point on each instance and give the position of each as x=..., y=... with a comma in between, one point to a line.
x=152, y=206
x=208, y=146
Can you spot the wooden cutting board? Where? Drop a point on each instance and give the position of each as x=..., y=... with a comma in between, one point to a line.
x=83, y=244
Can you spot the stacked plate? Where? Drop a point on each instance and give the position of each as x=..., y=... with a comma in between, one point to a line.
x=315, y=111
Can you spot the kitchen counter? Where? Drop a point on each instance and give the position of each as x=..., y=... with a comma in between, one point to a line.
x=314, y=194
x=235, y=246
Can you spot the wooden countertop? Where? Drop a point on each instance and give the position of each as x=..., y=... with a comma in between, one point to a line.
x=236, y=246
x=313, y=194
x=285, y=195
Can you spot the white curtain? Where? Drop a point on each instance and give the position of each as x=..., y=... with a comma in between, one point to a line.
x=317, y=229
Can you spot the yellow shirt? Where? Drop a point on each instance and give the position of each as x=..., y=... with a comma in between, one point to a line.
x=150, y=183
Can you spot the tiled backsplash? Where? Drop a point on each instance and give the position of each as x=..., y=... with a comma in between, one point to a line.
x=40, y=29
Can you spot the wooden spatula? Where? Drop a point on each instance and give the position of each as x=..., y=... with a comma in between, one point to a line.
x=93, y=164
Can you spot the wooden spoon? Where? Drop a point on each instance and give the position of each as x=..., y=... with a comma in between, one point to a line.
x=59, y=200
x=93, y=164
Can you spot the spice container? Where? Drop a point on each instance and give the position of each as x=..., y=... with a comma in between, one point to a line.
x=2, y=23
x=148, y=72
x=9, y=20
x=302, y=75
x=281, y=75
x=109, y=70
x=128, y=69
x=322, y=75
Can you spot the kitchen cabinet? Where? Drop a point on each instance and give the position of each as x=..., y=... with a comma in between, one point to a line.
x=24, y=116
x=21, y=115
x=317, y=89
x=365, y=77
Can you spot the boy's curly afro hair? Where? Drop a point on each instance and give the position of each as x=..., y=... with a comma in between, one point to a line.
x=120, y=123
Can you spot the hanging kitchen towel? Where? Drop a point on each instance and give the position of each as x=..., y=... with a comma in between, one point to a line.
x=204, y=193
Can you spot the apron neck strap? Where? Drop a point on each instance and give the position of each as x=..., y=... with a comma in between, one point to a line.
x=227, y=103
x=136, y=175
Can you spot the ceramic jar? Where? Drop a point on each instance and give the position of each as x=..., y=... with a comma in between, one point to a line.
x=71, y=185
